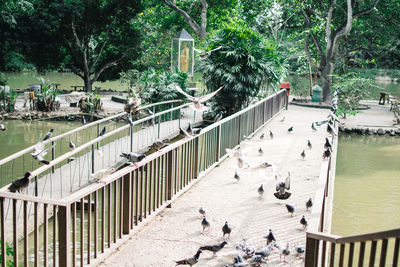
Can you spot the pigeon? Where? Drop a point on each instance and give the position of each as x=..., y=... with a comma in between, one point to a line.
x=193, y=131
x=303, y=222
x=133, y=157
x=71, y=145
x=283, y=119
x=290, y=208
x=260, y=152
x=241, y=245
x=249, y=252
x=330, y=130
x=48, y=135
x=319, y=123
x=202, y=212
x=190, y=261
x=238, y=155
x=300, y=250
x=206, y=54
x=263, y=165
x=132, y=104
x=205, y=224
x=2, y=127
x=313, y=127
x=309, y=144
x=281, y=188
x=184, y=133
x=39, y=152
x=264, y=252
x=271, y=135
x=226, y=230
x=333, y=117
x=270, y=237
x=214, y=248
x=236, y=176
x=285, y=251
x=160, y=144
x=327, y=154
x=261, y=191
x=20, y=184
x=262, y=136
x=197, y=101
x=239, y=262
x=69, y=160
x=100, y=174
x=219, y=116
x=330, y=122
x=327, y=144
x=309, y=203
x=290, y=130
x=303, y=154
x=256, y=260
x=83, y=120
x=103, y=131
x=129, y=118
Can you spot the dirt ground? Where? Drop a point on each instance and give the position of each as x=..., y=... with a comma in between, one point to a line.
x=175, y=233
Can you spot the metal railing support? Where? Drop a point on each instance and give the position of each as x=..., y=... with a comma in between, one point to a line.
x=53, y=154
x=170, y=175
x=64, y=220
x=126, y=203
x=93, y=158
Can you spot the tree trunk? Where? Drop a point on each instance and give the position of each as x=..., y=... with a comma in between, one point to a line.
x=88, y=82
x=326, y=79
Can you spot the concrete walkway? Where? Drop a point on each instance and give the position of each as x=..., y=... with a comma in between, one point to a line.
x=175, y=233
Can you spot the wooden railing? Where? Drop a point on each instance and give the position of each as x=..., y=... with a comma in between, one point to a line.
x=79, y=228
x=321, y=247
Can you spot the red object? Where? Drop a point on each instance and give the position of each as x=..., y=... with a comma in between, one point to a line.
x=287, y=87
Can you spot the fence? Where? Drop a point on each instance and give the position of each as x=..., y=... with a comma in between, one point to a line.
x=77, y=229
x=321, y=248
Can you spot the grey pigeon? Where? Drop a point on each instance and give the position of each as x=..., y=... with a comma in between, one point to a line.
x=184, y=133
x=264, y=252
x=261, y=191
x=103, y=131
x=226, y=230
x=160, y=144
x=330, y=130
x=262, y=136
x=2, y=127
x=202, y=212
x=285, y=251
x=48, y=135
x=283, y=119
x=71, y=145
x=190, y=261
x=271, y=135
x=303, y=154
x=241, y=245
x=313, y=127
x=270, y=237
x=281, y=188
x=319, y=123
x=69, y=160
x=257, y=260
x=290, y=208
x=260, y=152
x=239, y=262
x=205, y=224
x=326, y=154
x=214, y=248
x=133, y=157
x=309, y=203
x=236, y=176
x=20, y=184
x=303, y=222
x=83, y=120
x=300, y=250
x=40, y=151
x=327, y=144
x=219, y=116
x=290, y=130
x=309, y=144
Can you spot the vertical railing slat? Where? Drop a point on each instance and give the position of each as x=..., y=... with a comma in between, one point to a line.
x=361, y=254
x=45, y=235
x=26, y=234
x=55, y=236
x=396, y=251
x=15, y=232
x=82, y=228
x=2, y=232
x=95, y=223
x=36, y=234
x=73, y=215
x=383, y=252
x=351, y=253
x=372, y=253
x=341, y=253
x=89, y=227
x=332, y=257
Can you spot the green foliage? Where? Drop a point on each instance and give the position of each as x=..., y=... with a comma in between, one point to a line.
x=155, y=86
x=245, y=65
x=91, y=103
x=10, y=253
x=3, y=79
x=352, y=89
x=8, y=100
x=46, y=97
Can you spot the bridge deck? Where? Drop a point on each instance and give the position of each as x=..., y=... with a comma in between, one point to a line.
x=175, y=233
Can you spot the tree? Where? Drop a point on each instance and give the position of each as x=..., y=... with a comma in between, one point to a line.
x=244, y=65
x=94, y=38
x=336, y=19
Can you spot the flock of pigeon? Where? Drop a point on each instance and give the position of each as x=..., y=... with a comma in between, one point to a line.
x=247, y=255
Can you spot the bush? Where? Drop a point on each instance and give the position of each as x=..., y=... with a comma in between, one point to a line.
x=46, y=97
x=8, y=100
x=91, y=103
x=245, y=65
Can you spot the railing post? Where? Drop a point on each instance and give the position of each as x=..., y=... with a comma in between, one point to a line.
x=126, y=214
x=98, y=133
x=170, y=175
x=53, y=154
x=64, y=219
x=131, y=134
x=239, y=129
x=92, y=158
x=36, y=186
x=179, y=118
x=218, y=143
x=311, y=257
x=159, y=129
x=196, y=157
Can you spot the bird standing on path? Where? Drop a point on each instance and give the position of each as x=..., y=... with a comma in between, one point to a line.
x=290, y=130
x=103, y=131
x=2, y=127
x=205, y=224
x=71, y=145
x=271, y=135
x=309, y=144
x=285, y=251
x=283, y=119
x=237, y=177
x=48, y=135
x=264, y=252
x=226, y=230
x=20, y=184
x=281, y=188
x=300, y=251
x=202, y=212
x=262, y=136
x=214, y=248
x=197, y=101
x=260, y=152
x=261, y=191
x=291, y=209
x=309, y=204
x=303, y=222
x=303, y=154
x=270, y=237
x=190, y=261
x=313, y=127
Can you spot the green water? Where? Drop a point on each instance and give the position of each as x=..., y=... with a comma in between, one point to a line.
x=367, y=185
x=22, y=80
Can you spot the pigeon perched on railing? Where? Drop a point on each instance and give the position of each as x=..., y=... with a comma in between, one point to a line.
x=101, y=174
x=83, y=120
x=48, y=135
x=160, y=144
x=197, y=101
x=219, y=116
x=326, y=154
x=2, y=127
x=20, y=184
x=290, y=208
x=71, y=145
x=103, y=131
x=133, y=157
x=226, y=230
x=214, y=248
x=330, y=130
x=327, y=144
x=190, y=261
x=40, y=151
x=281, y=188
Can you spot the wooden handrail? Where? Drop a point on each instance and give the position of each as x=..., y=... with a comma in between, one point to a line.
x=354, y=238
